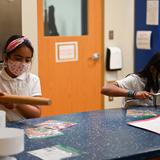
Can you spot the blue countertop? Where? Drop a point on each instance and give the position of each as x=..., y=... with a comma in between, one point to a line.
x=100, y=135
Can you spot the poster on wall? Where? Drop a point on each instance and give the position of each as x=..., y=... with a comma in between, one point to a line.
x=66, y=51
x=143, y=39
x=152, y=10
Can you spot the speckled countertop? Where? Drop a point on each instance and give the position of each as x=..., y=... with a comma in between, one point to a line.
x=100, y=135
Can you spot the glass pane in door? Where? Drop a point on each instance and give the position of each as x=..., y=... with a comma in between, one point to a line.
x=65, y=17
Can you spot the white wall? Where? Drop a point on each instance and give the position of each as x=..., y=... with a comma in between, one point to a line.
x=29, y=27
x=119, y=17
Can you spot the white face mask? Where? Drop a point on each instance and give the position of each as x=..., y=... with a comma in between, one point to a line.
x=17, y=68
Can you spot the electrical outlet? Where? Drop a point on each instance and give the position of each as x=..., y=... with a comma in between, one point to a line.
x=110, y=98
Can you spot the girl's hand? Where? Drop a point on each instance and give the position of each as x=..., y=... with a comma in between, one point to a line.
x=142, y=95
x=9, y=106
x=3, y=93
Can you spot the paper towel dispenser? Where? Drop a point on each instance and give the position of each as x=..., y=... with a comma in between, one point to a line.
x=113, y=59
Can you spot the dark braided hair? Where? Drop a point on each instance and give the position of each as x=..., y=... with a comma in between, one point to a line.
x=152, y=82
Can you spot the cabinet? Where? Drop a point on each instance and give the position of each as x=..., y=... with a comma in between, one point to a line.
x=10, y=20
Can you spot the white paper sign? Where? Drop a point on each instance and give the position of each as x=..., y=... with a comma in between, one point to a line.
x=152, y=12
x=143, y=39
x=66, y=51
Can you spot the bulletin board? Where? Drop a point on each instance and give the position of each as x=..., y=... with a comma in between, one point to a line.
x=142, y=56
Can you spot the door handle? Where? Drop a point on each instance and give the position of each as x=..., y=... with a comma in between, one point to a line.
x=95, y=56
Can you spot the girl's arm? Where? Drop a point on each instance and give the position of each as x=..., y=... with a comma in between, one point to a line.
x=29, y=111
x=115, y=91
x=112, y=89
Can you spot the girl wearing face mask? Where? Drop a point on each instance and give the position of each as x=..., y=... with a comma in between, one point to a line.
x=138, y=88
x=16, y=79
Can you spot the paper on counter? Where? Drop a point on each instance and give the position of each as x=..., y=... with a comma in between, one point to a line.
x=139, y=114
x=151, y=124
x=55, y=125
x=41, y=132
x=48, y=128
x=57, y=152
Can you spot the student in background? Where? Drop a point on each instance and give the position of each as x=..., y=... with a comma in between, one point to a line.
x=16, y=79
x=137, y=89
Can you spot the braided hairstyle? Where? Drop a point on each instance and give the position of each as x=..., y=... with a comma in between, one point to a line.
x=152, y=82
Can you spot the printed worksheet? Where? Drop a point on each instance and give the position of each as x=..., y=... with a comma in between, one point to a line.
x=42, y=132
x=55, y=125
x=49, y=128
x=57, y=152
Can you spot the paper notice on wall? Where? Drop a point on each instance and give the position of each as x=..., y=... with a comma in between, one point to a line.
x=143, y=39
x=66, y=51
x=152, y=17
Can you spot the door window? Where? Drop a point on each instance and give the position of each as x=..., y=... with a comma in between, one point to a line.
x=65, y=17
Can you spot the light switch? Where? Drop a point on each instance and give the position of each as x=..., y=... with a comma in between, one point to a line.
x=111, y=35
